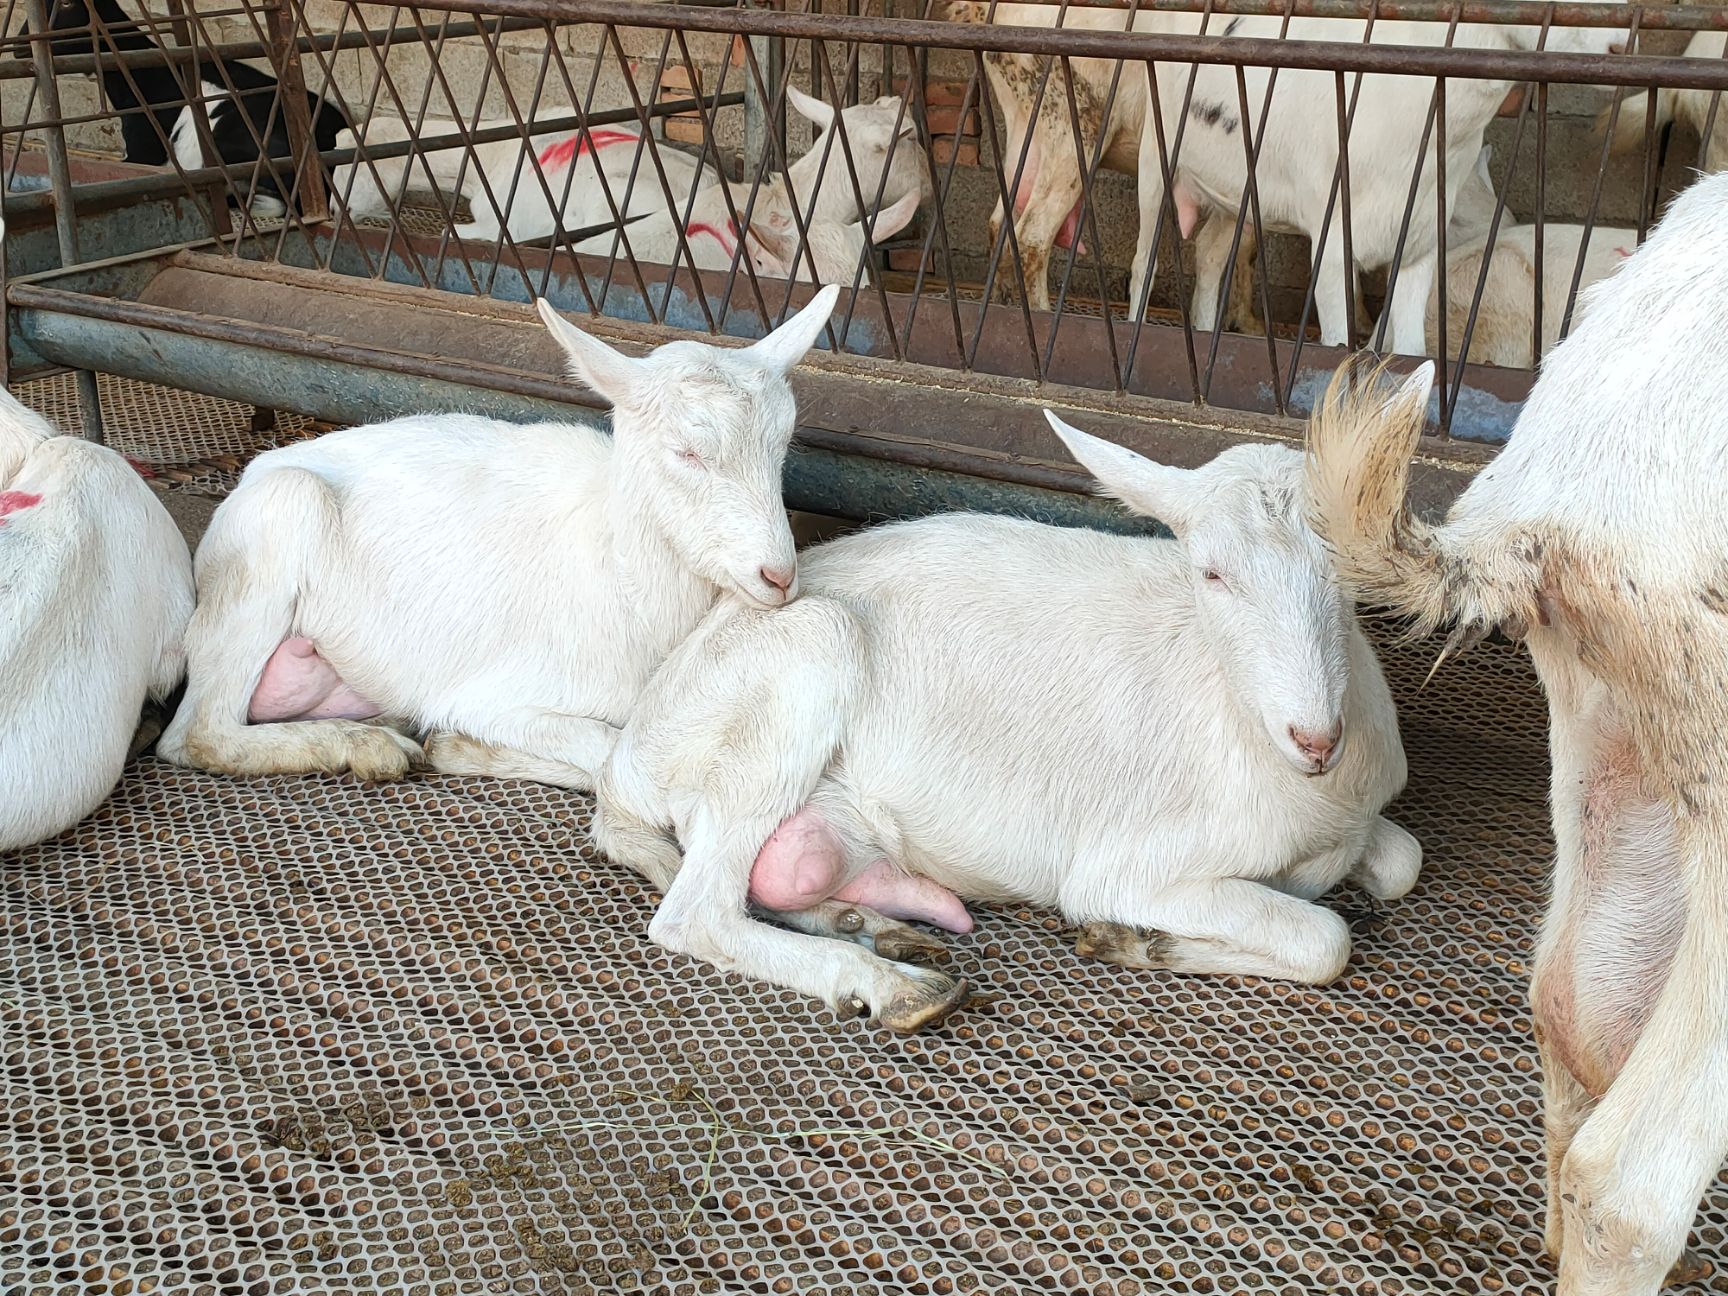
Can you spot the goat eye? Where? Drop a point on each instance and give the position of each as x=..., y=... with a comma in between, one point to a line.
x=691, y=457
x=1214, y=575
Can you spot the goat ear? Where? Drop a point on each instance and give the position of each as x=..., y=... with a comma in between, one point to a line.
x=812, y=109
x=892, y=219
x=786, y=345
x=765, y=257
x=593, y=363
x=1154, y=489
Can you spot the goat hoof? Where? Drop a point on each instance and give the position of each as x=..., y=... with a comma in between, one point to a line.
x=1125, y=946
x=380, y=755
x=1689, y=1268
x=909, y=945
x=849, y=1008
x=927, y=1002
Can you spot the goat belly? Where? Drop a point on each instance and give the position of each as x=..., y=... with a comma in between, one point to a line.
x=298, y=684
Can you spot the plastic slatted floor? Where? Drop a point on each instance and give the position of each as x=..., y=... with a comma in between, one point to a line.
x=304, y=1035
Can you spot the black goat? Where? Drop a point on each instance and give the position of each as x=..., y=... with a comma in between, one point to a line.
x=238, y=117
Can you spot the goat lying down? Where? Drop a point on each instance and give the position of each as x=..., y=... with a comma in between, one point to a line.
x=1185, y=735
x=1598, y=534
x=95, y=590
x=508, y=588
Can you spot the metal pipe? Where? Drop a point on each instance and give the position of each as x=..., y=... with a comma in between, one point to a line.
x=157, y=186
x=762, y=22
x=15, y=69
x=61, y=195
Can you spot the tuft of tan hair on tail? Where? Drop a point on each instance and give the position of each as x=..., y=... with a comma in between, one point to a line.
x=1360, y=441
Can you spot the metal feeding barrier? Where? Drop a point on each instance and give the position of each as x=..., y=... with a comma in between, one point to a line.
x=296, y=1036
x=242, y=260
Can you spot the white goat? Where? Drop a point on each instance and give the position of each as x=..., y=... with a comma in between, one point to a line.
x=509, y=587
x=1299, y=159
x=1505, y=319
x=1471, y=216
x=1597, y=533
x=771, y=241
x=881, y=137
x=1700, y=109
x=1013, y=711
x=97, y=587
x=518, y=176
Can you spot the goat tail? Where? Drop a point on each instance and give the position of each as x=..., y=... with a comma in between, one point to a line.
x=1632, y=120
x=1360, y=444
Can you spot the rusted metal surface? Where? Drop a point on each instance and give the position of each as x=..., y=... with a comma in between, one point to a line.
x=305, y=1035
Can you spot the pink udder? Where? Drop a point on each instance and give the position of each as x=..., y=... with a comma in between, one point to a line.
x=14, y=501
x=1069, y=234
x=1187, y=210
x=298, y=684
x=803, y=864
x=560, y=154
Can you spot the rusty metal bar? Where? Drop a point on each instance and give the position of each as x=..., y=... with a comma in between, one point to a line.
x=62, y=197
x=1325, y=56
x=159, y=186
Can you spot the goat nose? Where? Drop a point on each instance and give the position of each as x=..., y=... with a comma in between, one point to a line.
x=1317, y=746
x=779, y=577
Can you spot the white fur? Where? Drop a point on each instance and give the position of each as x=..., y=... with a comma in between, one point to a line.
x=1297, y=161
x=95, y=590
x=1472, y=214
x=1024, y=712
x=1598, y=531
x=1691, y=107
x=515, y=585
x=183, y=141
x=875, y=145
x=1505, y=317
x=504, y=172
x=771, y=240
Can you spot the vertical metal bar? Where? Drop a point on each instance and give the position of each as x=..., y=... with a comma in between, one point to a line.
x=192, y=83
x=1440, y=245
x=65, y=203
x=764, y=132
x=291, y=95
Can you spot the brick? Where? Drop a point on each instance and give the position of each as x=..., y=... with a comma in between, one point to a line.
x=943, y=121
x=677, y=77
x=938, y=94
x=686, y=128
x=1513, y=103
x=908, y=259
x=943, y=149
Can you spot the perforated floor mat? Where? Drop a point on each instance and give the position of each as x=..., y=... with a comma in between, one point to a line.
x=183, y=438
x=304, y=1035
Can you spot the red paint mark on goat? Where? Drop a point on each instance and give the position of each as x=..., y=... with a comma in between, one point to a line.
x=13, y=501
x=139, y=466
x=560, y=154
x=727, y=239
x=1623, y=252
